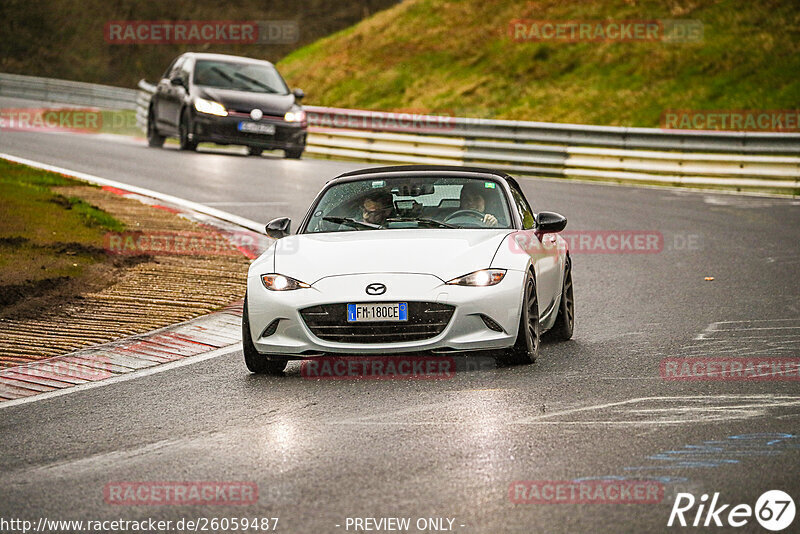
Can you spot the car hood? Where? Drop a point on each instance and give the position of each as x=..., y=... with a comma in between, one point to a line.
x=244, y=101
x=444, y=253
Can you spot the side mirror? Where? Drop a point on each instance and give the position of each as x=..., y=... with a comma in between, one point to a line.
x=299, y=94
x=177, y=80
x=278, y=228
x=548, y=222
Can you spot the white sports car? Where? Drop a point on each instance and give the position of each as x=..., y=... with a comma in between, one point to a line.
x=410, y=259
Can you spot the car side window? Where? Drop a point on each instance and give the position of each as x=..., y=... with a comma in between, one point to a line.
x=524, y=209
x=176, y=68
x=169, y=69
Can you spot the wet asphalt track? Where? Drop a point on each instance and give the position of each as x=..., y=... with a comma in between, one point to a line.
x=323, y=451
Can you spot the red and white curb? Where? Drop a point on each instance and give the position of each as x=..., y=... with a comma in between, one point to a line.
x=184, y=343
x=101, y=362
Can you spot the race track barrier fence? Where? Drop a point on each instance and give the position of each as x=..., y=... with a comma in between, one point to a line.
x=741, y=160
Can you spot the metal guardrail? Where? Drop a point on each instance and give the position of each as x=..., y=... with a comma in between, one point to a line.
x=67, y=92
x=731, y=159
x=706, y=158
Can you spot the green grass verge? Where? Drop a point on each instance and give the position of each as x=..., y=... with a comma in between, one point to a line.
x=457, y=58
x=45, y=237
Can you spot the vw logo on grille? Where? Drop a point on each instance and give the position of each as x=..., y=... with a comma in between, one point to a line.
x=256, y=114
x=376, y=289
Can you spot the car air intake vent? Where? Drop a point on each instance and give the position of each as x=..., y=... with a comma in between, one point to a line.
x=425, y=320
x=269, y=330
x=491, y=324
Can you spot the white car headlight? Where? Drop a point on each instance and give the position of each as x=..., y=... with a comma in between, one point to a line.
x=295, y=116
x=279, y=282
x=484, y=277
x=210, y=107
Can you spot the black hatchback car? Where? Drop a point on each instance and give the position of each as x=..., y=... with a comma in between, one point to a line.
x=227, y=100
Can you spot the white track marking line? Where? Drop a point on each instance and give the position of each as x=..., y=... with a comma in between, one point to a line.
x=709, y=330
x=754, y=406
x=714, y=327
x=190, y=360
x=188, y=204
x=746, y=329
x=255, y=203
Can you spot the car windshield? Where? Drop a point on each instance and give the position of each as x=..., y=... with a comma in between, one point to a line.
x=251, y=77
x=411, y=202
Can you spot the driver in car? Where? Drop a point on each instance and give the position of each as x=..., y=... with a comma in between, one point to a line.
x=377, y=206
x=472, y=198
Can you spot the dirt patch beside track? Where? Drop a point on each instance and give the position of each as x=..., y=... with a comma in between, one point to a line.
x=134, y=293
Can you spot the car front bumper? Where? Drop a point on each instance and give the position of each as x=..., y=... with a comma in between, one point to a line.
x=225, y=130
x=465, y=331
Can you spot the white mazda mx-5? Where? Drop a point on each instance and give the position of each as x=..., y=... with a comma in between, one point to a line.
x=410, y=259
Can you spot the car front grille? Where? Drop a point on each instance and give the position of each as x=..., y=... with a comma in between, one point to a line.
x=425, y=320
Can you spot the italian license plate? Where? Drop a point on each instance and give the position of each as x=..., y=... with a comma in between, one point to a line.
x=257, y=127
x=379, y=311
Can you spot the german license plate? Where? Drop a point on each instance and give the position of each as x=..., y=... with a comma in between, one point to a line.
x=379, y=311
x=257, y=127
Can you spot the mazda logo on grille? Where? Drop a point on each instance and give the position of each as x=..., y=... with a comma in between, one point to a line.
x=376, y=289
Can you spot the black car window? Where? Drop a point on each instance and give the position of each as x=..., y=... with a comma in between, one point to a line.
x=523, y=208
x=434, y=202
x=251, y=77
x=169, y=69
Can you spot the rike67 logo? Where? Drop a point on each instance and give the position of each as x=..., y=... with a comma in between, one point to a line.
x=774, y=510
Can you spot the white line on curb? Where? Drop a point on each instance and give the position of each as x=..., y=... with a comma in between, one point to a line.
x=188, y=204
x=125, y=377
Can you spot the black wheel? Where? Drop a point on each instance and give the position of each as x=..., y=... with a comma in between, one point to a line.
x=256, y=362
x=294, y=153
x=526, y=348
x=154, y=139
x=184, y=129
x=565, y=321
x=253, y=151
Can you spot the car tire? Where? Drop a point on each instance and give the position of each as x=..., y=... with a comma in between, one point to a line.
x=183, y=130
x=154, y=139
x=293, y=153
x=256, y=362
x=565, y=321
x=253, y=151
x=526, y=348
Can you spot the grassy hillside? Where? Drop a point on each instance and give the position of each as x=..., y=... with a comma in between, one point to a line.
x=457, y=58
x=65, y=39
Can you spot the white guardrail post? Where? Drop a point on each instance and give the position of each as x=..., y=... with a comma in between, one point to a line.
x=647, y=155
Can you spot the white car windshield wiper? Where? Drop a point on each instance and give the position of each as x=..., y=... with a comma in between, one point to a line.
x=352, y=222
x=433, y=222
